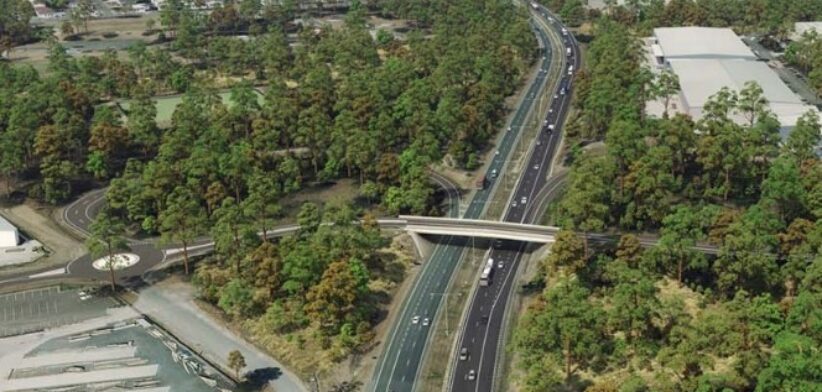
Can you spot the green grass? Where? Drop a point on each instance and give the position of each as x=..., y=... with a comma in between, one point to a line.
x=166, y=106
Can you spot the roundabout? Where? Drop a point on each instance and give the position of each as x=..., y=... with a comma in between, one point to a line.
x=120, y=261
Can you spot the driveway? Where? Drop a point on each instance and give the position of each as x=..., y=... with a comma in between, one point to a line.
x=170, y=303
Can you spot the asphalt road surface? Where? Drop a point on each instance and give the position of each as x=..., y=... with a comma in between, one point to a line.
x=482, y=332
x=400, y=362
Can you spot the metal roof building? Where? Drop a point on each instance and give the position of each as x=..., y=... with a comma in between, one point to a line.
x=701, y=78
x=706, y=59
x=701, y=42
x=8, y=234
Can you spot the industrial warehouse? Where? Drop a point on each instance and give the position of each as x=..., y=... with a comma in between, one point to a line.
x=707, y=59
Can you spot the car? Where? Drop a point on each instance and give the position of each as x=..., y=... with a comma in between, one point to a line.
x=536, y=166
x=539, y=142
x=497, y=244
x=472, y=375
x=556, y=96
x=426, y=322
x=509, y=129
x=496, y=152
x=551, y=110
x=545, y=122
x=494, y=173
x=415, y=320
x=463, y=353
x=523, y=200
x=500, y=264
x=551, y=127
x=514, y=204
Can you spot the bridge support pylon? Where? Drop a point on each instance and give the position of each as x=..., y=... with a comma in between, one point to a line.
x=424, y=247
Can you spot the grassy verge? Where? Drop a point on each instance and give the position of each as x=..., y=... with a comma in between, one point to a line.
x=447, y=326
x=303, y=352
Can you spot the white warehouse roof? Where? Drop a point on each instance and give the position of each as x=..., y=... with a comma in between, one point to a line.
x=8, y=234
x=701, y=42
x=701, y=78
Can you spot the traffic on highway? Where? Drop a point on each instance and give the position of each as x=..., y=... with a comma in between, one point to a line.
x=400, y=363
x=483, y=330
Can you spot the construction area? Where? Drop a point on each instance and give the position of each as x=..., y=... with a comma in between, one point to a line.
x=107, y=347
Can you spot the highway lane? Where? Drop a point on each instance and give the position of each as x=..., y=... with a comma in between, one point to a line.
x=399, y=364
x=482, y=333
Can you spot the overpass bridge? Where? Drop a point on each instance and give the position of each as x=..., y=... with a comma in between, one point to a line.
x=508, y=230
x=476, y=228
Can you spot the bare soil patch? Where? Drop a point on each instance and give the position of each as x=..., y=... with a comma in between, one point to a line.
x=35, y=222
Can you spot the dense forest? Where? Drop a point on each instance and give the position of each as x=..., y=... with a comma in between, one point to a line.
x=669, y=318
x=339, y=104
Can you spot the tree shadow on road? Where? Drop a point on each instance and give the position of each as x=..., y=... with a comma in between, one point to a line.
x=257, y=379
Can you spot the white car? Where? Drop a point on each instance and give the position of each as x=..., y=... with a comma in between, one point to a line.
x=523, y=200
x=472, y=375
x=514, y=204
x=415, y=320
x=500, y=264
x=536, y=167
x=425, y=322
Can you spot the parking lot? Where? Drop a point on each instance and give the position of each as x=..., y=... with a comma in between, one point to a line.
x=34, y=310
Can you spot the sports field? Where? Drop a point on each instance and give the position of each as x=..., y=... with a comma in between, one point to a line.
x=167, y=104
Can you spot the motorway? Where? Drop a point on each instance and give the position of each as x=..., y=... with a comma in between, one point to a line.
x=402, y=357
x=483, y=330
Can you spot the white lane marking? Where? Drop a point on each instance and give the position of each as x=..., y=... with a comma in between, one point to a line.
x=404, y=318
x=508, y=280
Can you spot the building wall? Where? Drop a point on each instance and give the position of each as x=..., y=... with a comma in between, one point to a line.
x=8, y=238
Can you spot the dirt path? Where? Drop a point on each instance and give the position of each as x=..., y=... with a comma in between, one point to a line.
x=37, y=224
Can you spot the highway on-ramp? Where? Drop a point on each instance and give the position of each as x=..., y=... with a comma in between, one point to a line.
x=483, y=330
x=399, y=364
